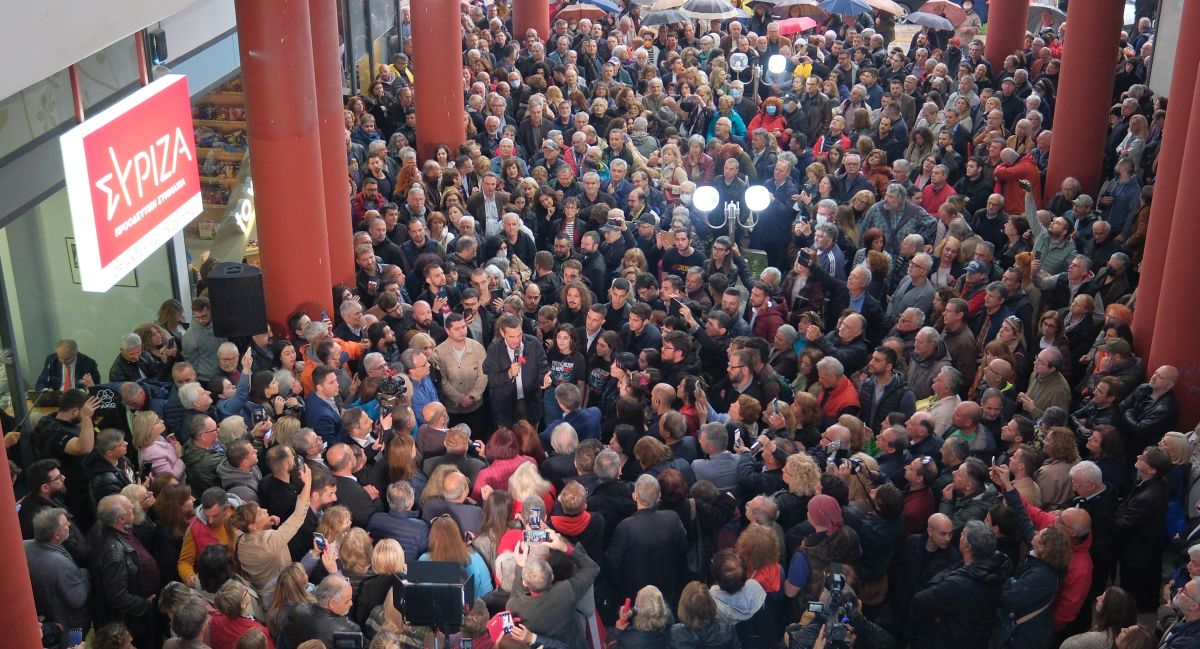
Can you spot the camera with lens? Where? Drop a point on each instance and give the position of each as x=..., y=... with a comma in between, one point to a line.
x=390, y=387
x=832, y=616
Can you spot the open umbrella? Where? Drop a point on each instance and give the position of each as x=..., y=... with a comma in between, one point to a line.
x=610, y=6
x=666, y=4
x=845, y=7
x=579, y=11
x=945, y=9
x=1040, y=14
x=889, y=6
x=928, y=20
x=710, y=10
x=664, y=17
x=801, y=8
x=790, y=26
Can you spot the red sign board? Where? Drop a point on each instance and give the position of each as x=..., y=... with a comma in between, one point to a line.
x=132, y=180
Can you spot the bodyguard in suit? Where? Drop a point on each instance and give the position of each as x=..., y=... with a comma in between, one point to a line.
x=321, y=410
x=361, y=501
x=517, y=372
x=67, y=369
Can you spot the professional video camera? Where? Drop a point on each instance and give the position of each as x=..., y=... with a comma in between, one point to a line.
x=832, y=616
x=391, y=387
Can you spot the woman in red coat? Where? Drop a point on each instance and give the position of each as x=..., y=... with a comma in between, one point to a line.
x=770, y=118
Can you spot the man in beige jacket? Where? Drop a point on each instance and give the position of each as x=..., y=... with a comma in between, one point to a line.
x=463, y=380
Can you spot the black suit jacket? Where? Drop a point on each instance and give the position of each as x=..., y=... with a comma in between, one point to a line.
x=355, y=498
x=52, y=368
x=502, y=391
x=837, y=298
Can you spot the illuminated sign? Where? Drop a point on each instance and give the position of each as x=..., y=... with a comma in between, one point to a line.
x=132, y=180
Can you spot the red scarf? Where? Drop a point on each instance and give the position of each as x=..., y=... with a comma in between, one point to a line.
x=572, y=525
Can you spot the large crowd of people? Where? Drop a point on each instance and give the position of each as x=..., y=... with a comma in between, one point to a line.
x=897, y=406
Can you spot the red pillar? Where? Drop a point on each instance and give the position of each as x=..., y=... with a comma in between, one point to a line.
x=16, y=591
x=1006, y=28
x=275, y=39
x=1183, y=80
x=332, y=132
x=530, y=14
x=437, y=43
x=1084, y=93
x=1174, y=339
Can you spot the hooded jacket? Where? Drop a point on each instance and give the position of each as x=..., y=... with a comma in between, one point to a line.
x=958, y=608
x=236, y=481
x=739, y=606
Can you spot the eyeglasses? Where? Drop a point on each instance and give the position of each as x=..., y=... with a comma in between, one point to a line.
x=59, y=478
x=209, y=430
x=913, y=264
x=736, y=367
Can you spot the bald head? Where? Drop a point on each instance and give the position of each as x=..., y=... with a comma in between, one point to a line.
x=1077, y=521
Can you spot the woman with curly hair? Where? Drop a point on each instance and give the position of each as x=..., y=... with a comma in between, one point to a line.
x=1054, y=476
x=1033, y=589
x=803, y=479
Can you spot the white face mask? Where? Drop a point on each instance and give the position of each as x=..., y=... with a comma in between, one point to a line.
x=686, y=199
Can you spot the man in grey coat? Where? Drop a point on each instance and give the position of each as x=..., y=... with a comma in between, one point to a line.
x=60, y=586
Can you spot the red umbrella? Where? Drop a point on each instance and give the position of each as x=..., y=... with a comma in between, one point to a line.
x=790, y=26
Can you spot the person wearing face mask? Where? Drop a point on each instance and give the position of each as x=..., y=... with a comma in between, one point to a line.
x=770, y=118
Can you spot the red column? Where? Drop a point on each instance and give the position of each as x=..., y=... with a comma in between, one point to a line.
x=16, y=591
x=1174, y=339
x=1183, y=80
x=437, y=43
x=1084, y=93
x=530, y=14
x=275, y=39
x=332, y=132
x=1006, y=28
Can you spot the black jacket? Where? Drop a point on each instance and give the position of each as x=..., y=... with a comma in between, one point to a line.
x=104, y=479
x=1140, y=520
x=958, y=608
x=146, y=367
x=893, y=396
x=118, y=582
x=351, y=495
x=837, y=299
x=1145, y=420
x=52, y=372
x=714, y=635
x=647, y=548
x=311, y=622
x=614, y=501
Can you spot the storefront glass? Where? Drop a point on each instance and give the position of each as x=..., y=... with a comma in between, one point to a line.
x=46, y=303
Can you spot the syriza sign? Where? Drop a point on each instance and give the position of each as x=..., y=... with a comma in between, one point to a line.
x=132, y=180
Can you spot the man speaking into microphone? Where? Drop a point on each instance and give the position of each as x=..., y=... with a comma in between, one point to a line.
x=517, y=372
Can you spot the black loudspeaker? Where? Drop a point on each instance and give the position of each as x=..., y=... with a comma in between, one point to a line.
x=236, y=294
x=435, y=594
x=158, y=46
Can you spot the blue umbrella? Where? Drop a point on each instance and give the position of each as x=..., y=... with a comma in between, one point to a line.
x=608, y=5
x=846, y=7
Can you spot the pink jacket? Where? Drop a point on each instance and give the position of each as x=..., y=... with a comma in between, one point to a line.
x=163, y=459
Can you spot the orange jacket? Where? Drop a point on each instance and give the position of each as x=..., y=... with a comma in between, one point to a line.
x=353, y=350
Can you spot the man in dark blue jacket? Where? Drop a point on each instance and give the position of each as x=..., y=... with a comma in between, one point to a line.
x=66, y=368
x=401, y=523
